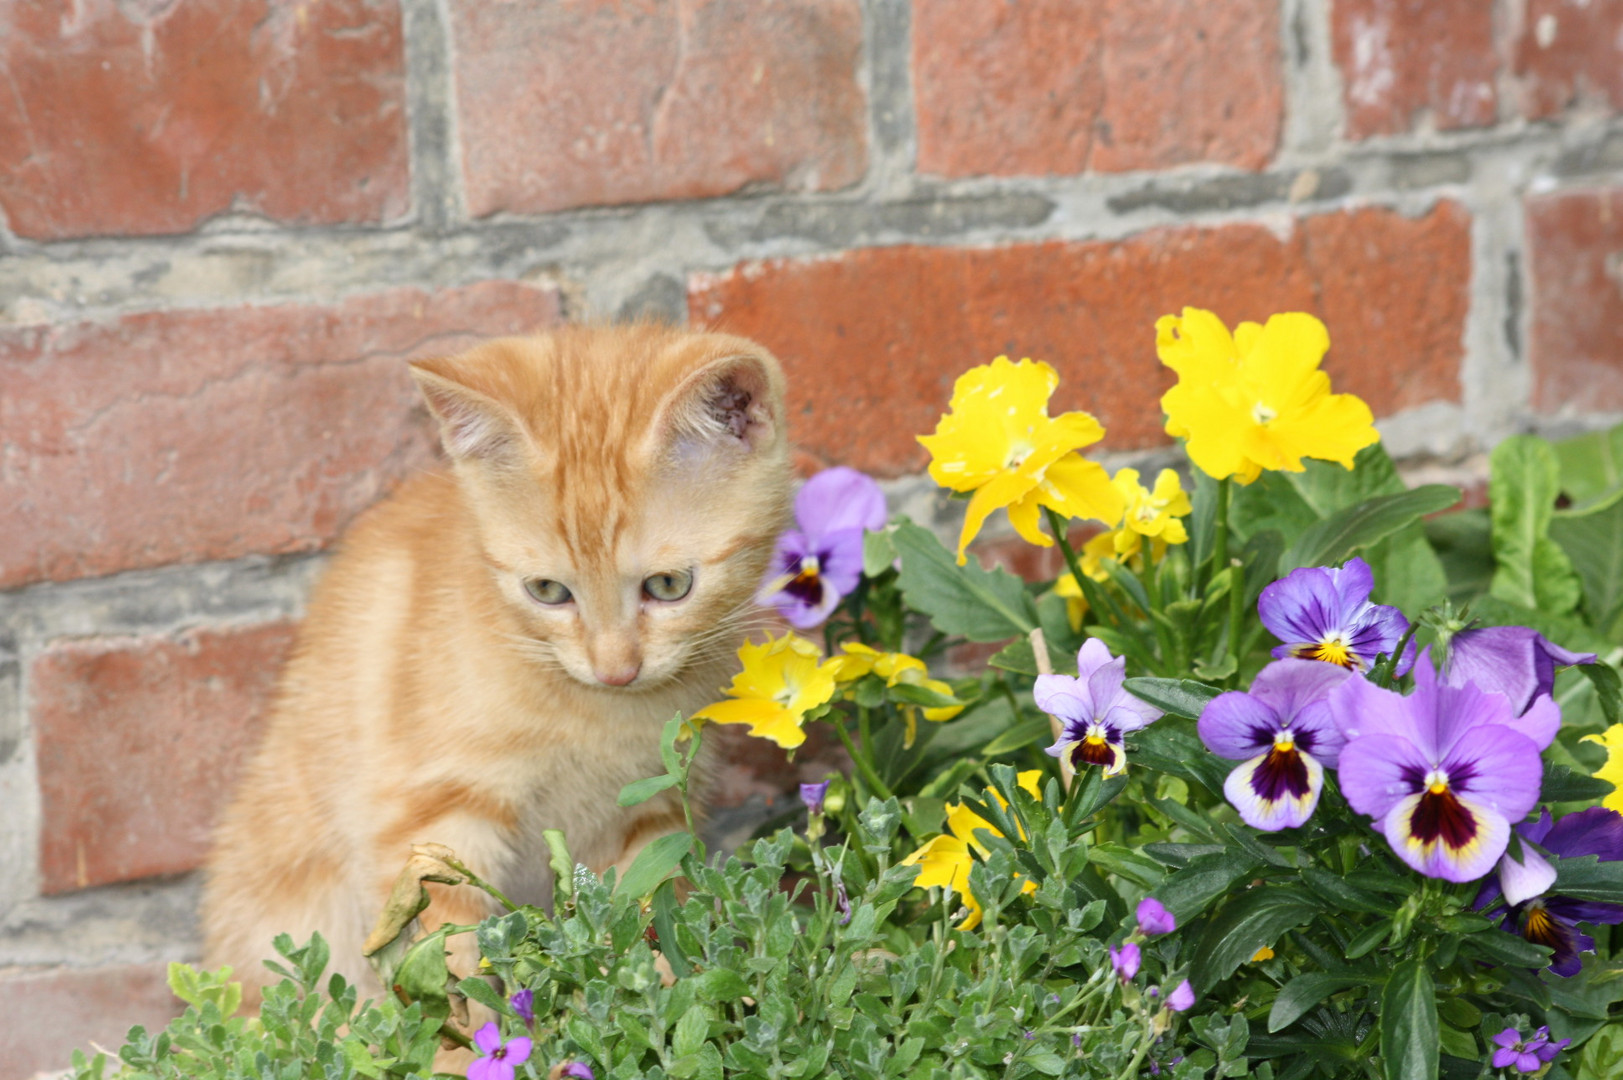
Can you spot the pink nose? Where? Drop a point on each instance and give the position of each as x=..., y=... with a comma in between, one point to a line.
x=623, y=677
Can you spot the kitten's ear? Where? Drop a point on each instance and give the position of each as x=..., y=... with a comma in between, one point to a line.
x=472, y=425
x=734, y=402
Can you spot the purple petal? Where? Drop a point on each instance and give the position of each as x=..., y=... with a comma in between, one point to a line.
x=1154, y=918
x=1507, y=1038
x=1064, y=697
x=1181, y=998
x=1536, y=831
x=1499, y=768
x=1301, y=606
x=1595, y=831
x=1092, y=656
x=518, y=1051
x=1237, y=725
x=1125, y=960
x=523, y=1004
x=1585, y=911
x=1515, y=661
x=1299, y=692
x=1377, y=771
x=839, y=498
x=1460, y=844
x=1527, y=1063
x=488, y=1039
x=840, y=553
x=812, y=795
x=1360, y=708
x=484, y=1069
x=1503, y=1057
x=578, y=1071
x=1521, y=881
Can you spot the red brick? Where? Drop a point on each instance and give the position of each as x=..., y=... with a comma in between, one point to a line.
x=193, y=435
x=149, y=118
x=600, y=102
x=1400, y=59
x=45, y=1016
x=873, y=339
x=1570, y=51
x=139, y=741
x=1575, y=337
x=1054, y=87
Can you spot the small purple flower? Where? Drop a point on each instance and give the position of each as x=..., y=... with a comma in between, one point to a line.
x=500, y=1058
x=576, y=1070
x=1511, y=660
x=1443, y=771
x=523, y=1003
x=1096, y=711
x=1284, y=734
x=1325, y=614
x=1553, y=920
x=1125, y=961
x=1527, y=1055
x=1182, y=997
x=812, y=796
x=820, y=561
x=1154, y=918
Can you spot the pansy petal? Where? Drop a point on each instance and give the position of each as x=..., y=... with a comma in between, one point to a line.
x=767, y=720
x=1064, y=696
x=1093, y=655
x=840, y=554
x=839, y=498
x=1237, y=725
x=1298, y=692
x=1540, y=722
x=1000, y=490
x=1378, y=771
x=1275, y=790
x=1595, y=831
x=1521, y=881
x=1450, y=836
x=1361, y=708
x=1075, y=487
x=1497, y=767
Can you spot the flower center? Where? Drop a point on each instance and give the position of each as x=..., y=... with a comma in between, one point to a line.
x=1334, y=648
x=806, y=585
x=1018, y=453
x=1284, y=742
x=1440, y=816
x=1261, y=413
x=1094, y=747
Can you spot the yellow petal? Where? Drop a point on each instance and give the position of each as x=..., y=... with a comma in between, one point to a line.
x=767, y=719
x=1075, y=487
x=1025, y=516
x=1612, y=771
x=1000, y=490
x=943, y=863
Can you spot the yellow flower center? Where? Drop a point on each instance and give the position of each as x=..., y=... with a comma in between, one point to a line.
x=1437, y=782
x=1262, y=413
x=1284, y=742
x=1335, y=648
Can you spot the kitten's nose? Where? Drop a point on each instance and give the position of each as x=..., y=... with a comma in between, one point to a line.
x=622, y=676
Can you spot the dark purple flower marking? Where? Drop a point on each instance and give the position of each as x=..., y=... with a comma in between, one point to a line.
x=1282, y=732
x=820, y=561
x=1325, y=614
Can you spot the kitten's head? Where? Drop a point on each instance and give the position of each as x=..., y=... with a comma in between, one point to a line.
x=627, y=485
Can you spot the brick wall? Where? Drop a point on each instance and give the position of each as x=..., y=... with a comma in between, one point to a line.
x=224, y=225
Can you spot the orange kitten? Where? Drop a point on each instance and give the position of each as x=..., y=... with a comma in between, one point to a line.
x=495, y=648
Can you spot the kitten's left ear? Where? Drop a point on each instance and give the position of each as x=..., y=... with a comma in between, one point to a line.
x=735, y=402
x=472, y=424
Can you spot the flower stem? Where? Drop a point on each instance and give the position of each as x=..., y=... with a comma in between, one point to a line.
x=1220, y=526
x=1056, y=525
x=1236, y=616
x=860, y=760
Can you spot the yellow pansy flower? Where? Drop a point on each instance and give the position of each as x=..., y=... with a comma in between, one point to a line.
x=1612, y=740
x=783, y=679
x=1076, y=605
x=945, y=861
x=1156, y=514
x=998, y=441
x=894, y=667
x=1256, y=399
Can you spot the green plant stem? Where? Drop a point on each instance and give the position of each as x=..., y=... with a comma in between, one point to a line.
x=1143, y=1046
x=859, y=758
x=480, y=883
x=1220, y=530
x=1236, y=616
x=1056, y=525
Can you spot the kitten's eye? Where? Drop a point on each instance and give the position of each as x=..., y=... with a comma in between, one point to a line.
x=672, y=585
x=547, y=592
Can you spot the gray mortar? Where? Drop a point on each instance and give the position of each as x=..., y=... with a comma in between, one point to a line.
x=634, y=261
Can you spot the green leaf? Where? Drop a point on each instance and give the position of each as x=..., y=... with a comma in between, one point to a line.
x=1127, y=863
x=878, y=552
x=1019, y=657
x=423, y=975
x=1345, y=896
x=1206, y=878
x=1304, y=992
x=1342, y=534
x=1592, y=464
x=909, y=694
x=1017, y=736
x=475, y=988
x=640, y=791
x=1591, y=539
x=1608, y=689
x=1180, y=697
x=1253, y=919
x=562, y=864
x=1587, y=878
x=1409, y=1042
x=1562, y=784
x=653, y=863
x=1463, y=544
x=1532, y=570
x=981, y=605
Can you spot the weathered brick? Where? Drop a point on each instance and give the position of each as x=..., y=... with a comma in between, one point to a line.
x=1575, y=334
x=193, y=435
x=46, y=1015
x=602, y=102
x=149, y=118
x=1570, y=51
x=139, y=741
x=873, y=339
x=1400, y=59
x=1057, y=87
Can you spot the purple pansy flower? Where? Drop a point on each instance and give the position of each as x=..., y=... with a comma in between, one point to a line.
x=1443, y=771
x=1527, y=1055
x=500, y=1058
x=1096, y=711
x=1514, y=661
x=1154, y=918
x=812, y=795
x=1283, y=733
x=1325, y=614
x=820, y=561
x=1124, y=961
x=1553, y=920
x=1182, y=997
x=523, y=1003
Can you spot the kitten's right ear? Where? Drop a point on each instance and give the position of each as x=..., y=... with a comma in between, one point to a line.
x=472, y=425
